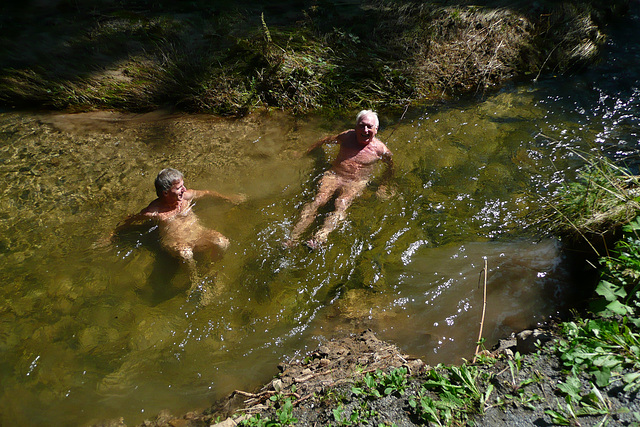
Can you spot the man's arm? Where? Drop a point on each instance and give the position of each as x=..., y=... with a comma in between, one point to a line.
x=383, y=190
x=333, y=139
x=196, y=194
x=133, y=219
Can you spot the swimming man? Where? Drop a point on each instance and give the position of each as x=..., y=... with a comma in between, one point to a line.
x=181, y=233
x=348, y=176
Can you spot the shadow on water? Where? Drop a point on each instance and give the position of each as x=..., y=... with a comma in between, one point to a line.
x=160, y=284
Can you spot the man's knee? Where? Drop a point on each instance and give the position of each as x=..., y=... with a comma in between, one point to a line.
x=321, y=199
x=222, y=243
x=342, y=203
x=186, y=253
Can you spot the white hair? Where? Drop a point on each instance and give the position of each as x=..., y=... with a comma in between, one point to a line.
x=363, y=113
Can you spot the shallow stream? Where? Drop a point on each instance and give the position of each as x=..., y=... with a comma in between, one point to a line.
x=91, y=332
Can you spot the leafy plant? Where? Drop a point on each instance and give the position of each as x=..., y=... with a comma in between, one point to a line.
x=284, y=415
x=457, y=395
x=358, y=416
x=620, y=288
x=379, y=384
x=604, y=348
x=577, y=404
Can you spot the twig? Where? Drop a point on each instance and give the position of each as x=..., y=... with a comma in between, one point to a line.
x=484, y=307
x=544, y=63
x=311, y=376
x=396, y=126
x=302, y=399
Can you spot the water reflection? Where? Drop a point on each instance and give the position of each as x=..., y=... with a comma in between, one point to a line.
x=89, y=333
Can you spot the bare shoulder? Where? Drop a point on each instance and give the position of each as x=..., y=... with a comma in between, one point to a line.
x=381, y=148
x=346, y=136
x=152, y=210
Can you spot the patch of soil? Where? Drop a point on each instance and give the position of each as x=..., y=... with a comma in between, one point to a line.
x=525, y=389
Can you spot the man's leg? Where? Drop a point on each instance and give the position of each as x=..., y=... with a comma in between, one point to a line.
x=211, y=242
x=214, y=242
x=328, y=186
x=348, y=193
x=185, y=253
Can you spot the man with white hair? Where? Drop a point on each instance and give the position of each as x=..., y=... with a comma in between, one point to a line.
x=347, y=178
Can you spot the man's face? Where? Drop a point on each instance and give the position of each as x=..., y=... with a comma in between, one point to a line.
x=176, y=192
x=366, y=129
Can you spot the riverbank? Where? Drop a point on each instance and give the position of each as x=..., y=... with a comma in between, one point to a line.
x=361, y=380
x=294, y=55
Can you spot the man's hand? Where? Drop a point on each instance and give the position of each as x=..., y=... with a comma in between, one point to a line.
x=385, y=192
x=103, y=241
x=236, y=199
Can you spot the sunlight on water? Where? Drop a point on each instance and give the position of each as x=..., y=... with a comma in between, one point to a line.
x=91, y=332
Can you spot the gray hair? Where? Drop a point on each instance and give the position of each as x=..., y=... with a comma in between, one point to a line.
x=165, y=179
x=363, y=113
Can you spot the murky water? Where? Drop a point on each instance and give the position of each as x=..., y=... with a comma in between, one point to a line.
x=90, y=332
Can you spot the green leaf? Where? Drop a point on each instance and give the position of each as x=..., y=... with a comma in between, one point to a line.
x=609, y=291
x=572, y=387
x=606, y=362
x=619, y=308
x=632, y=226
x=603, y=377
x=632, y=381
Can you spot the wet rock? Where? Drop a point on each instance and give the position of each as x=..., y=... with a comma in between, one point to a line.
x=505, y=346
x=528, y=341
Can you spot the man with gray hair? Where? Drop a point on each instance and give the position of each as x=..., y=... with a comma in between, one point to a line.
x=347, y=178
x=181, y=233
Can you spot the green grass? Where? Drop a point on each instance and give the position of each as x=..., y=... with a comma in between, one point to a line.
x=603, y=197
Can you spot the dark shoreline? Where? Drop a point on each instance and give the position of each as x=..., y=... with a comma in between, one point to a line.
x=295, y=55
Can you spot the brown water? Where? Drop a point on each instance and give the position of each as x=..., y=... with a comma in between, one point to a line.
x=90, y=333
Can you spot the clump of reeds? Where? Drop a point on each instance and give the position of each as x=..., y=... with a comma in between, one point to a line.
x=604, y=197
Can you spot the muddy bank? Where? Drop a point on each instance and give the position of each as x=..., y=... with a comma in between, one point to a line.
x=521, y=380
x=290, y=54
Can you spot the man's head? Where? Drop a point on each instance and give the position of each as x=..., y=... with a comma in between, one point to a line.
x=366, y=126
x=166, y=179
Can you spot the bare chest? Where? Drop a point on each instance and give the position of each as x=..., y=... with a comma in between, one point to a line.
x=181, y=211
x=361, y=156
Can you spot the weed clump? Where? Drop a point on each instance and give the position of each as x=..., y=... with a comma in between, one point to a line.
x=603, y=197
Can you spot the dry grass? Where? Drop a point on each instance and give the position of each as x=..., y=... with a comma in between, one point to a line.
x=288, y=55
x=603, y=198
